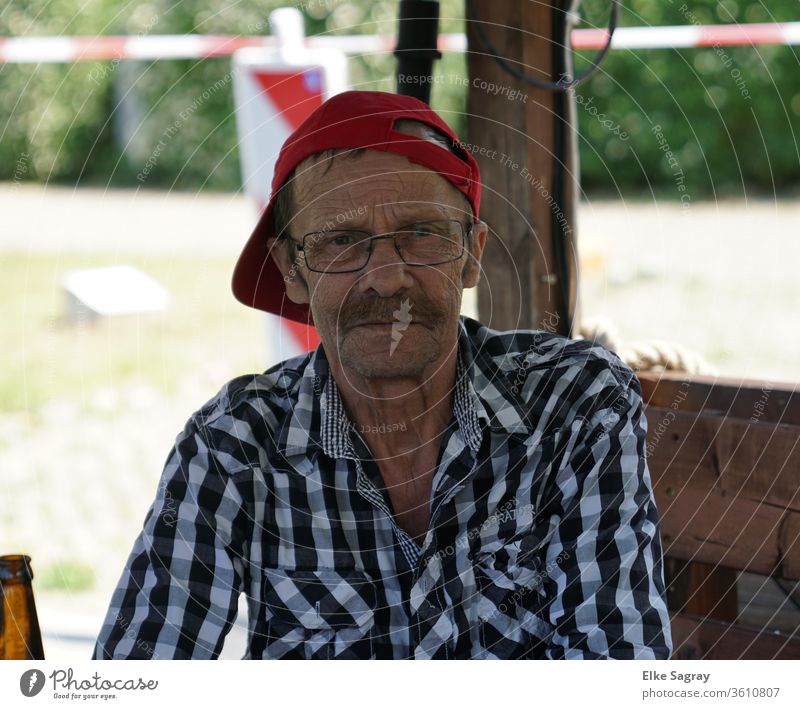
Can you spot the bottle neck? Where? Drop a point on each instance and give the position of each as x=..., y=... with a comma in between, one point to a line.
x=15, y=567
x=20, y=636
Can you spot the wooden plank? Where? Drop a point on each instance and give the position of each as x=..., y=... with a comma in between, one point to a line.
x=699, y=525
x=755, y=401
x=697, y=638
x=725, y=462
x=511, y=134
x=728, y=492
x=737, y=458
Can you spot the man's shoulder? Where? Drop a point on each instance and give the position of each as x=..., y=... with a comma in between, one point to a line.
x=525, y=354
x=266, y=395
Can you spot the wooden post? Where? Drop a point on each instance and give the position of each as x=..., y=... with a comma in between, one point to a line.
x=511, y=131
x=700, y=589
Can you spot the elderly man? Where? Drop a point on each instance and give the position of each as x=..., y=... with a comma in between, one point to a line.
x=419, y=486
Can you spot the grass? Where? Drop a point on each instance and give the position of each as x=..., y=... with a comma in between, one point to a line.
x=47, y=357
x=67, y=575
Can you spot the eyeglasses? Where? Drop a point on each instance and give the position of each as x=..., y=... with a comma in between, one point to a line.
x=426, y=243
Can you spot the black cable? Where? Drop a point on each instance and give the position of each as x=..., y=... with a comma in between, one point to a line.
x=563, y=84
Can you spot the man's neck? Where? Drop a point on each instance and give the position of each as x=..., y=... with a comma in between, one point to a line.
x=399, y=416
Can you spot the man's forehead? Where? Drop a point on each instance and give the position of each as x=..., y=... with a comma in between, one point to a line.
x=368, y=214
x=360, y=160
x=376, y=173
x=359, y=211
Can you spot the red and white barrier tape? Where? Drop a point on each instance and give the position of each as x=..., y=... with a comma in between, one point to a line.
x=20, y=50
x=688, y=36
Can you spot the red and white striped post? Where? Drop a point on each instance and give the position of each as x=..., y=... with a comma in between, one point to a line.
x=275, y=89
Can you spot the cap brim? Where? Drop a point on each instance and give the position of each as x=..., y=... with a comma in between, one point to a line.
x=258, y=282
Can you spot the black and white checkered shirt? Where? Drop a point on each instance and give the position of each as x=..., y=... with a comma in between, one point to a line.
x=543, y=543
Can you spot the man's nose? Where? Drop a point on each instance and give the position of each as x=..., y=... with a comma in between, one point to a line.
x=386, y=273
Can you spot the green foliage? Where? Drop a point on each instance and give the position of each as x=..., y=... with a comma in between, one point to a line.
x=67, y=575
x=728, y=116
x=51, y=115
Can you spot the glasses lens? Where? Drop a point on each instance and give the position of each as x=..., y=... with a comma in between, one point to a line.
x=336, y=251
x=424, y=243
x=433, y=242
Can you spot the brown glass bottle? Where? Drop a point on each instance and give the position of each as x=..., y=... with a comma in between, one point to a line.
x=20, y=637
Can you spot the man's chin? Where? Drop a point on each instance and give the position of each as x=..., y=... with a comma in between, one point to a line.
x=374, y=352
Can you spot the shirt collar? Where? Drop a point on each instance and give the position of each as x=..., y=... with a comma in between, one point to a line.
x=482, y=399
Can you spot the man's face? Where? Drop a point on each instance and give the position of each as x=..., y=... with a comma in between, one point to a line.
x=417, y=306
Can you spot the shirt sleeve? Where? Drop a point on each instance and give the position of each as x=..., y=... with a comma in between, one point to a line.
x=178, y=594
x=605, y=576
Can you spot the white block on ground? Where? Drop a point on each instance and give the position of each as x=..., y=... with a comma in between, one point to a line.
x=114, y=290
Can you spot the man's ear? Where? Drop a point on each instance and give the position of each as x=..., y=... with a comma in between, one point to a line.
x=289, y=261
x=471, y=273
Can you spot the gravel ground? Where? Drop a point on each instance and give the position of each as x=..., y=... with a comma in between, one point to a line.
x=77, y=480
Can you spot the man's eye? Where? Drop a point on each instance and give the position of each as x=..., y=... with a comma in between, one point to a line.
x=337, y=240
x=420, y=231
x=343, y=240
x=429, y=229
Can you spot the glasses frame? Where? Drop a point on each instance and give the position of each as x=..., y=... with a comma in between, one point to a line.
x=372, y=238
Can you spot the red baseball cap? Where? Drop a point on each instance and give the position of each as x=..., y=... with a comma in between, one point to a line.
x=353, y=119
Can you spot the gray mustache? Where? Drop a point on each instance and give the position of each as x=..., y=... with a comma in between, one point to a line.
x=383, y=309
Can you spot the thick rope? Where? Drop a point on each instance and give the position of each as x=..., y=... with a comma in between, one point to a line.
x=652, y=355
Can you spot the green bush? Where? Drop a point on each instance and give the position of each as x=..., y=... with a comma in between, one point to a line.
x=51, y=116
x=729, y=115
